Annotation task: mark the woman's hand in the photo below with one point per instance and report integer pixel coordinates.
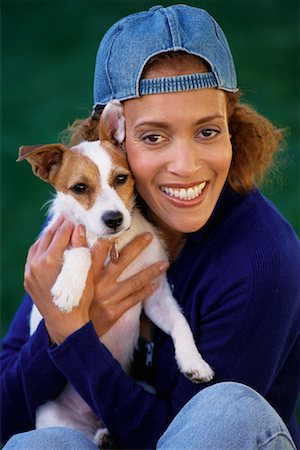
(105, 299)
(113, 298)
(42, 267)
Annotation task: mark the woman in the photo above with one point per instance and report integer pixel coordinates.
(196, 154)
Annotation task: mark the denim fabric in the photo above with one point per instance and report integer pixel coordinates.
(177, 84)
(132, 41)
(50, 439)
(225, 416)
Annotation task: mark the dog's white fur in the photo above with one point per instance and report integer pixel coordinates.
(69, 409)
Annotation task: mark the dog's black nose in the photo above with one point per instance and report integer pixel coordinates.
(113, 219)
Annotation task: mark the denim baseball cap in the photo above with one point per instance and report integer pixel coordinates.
(132, 41)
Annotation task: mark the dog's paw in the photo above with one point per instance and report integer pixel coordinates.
(69, 286)
(64, 299)
(200, 373)
(103, 439)
(193, 366)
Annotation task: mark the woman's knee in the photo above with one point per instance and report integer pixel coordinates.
(229, 399)
(57, 438)
(226, 415)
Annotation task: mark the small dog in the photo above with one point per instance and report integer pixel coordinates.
(95, 188)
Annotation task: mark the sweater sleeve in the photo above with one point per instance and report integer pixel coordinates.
(28, 376)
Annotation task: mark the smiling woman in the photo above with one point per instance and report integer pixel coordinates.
(190, 149)
(197, 154)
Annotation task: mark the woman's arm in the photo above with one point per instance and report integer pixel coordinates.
(28, 376)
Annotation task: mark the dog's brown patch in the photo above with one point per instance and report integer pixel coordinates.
(120, 167)
(78, 169)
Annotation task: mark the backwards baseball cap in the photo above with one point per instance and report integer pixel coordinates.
(132, 41)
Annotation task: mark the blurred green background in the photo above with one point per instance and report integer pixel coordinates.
(47, 55)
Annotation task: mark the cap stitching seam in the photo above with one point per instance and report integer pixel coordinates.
(224, 47)
(107, 72)
(173, 26)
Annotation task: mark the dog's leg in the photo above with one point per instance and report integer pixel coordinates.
(71, 411)
(35, 318)
(164, 311)
(69, 286)
(122, 337)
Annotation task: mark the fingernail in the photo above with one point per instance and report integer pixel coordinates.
(147, 236)
(163, 266)
(81, 231)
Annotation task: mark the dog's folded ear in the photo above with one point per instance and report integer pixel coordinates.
(112, 123)
(44, 159)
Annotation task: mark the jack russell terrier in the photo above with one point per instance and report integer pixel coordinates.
(95, 188)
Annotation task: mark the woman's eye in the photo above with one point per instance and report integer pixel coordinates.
(152, 139)
(79, 188)
(121, 179)
(208, 133)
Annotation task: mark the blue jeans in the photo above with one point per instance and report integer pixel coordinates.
(225, 416)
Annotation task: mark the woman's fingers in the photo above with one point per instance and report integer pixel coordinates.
(61, 239)
(46, 254)
(118, 286)
(78, 238)
(32, 252)
(138, 296)
(130, 252)
(100, 253)
(44, 241)
(142, 280)
(119, 297)
(127, 255)
(113, 294)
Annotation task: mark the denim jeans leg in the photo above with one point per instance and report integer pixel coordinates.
(227, 416)
(57, 438)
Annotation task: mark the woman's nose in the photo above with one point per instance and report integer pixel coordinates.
(183, 160)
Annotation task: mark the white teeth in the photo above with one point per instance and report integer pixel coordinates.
(185, 194)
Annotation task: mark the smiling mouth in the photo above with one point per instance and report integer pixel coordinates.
(184, 194)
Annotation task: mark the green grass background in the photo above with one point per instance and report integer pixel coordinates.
(48, 50)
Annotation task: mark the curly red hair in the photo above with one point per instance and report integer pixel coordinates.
(255, 141)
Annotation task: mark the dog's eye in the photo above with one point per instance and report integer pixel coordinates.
(79, 188)
(121, 179)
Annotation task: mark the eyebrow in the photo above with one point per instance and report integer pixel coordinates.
(209, 118)
(160, 124)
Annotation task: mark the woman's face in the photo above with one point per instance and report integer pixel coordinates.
(179, 150)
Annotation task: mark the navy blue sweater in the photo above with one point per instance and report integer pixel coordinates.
(238, 283)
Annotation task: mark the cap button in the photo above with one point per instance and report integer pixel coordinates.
(154, 8)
